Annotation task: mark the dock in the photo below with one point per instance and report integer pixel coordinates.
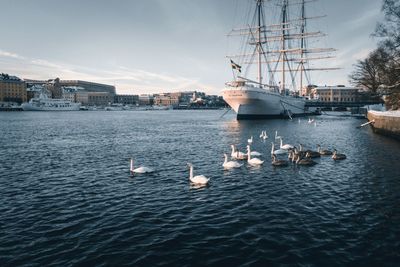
(385, 122)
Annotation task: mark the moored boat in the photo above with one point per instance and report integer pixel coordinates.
(44, 103)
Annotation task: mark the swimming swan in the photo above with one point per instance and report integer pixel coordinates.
(285, 146)
(337, 156)
(279, 162)
(253, 161)
(305, 161)
(265, 136)
(230, 164)
(250, 141)
(236, 154)
(324, 151)
(277, 136)
(141, 169)
(278, 151)
(198, 179)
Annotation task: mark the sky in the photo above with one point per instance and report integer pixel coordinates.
(154, 46)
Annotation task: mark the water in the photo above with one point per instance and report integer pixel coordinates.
(67, 198)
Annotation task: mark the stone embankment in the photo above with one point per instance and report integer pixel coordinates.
(385, 122)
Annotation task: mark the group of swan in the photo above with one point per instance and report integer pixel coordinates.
(299, 157)
(197, 180)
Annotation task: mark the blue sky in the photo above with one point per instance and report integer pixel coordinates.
(150, 46)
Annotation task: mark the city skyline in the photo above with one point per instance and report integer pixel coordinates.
(156, 46)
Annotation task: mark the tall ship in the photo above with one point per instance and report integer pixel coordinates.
(274, 50)
(44, 103)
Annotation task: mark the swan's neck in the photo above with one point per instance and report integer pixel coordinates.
(191, 172)
(226, 158)
(272, 148)
(281, 143)
(248, 153)
(319, 149)
(301, 147)
(131, 165)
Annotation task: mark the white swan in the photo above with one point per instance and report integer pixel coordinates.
(250, 141)
(277, 136)
(278, 151)
(255, 153)
(141, 169)
(198, 179)
(253, 161)
(230, 164)
(265, 136)
(310, 120)
(237, 154)
(262, 134)
(285, 146)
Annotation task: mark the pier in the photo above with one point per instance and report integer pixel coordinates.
(355, 104)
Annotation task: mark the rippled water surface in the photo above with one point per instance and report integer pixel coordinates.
(67, 197)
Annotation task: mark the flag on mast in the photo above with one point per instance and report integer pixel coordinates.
(236, 66)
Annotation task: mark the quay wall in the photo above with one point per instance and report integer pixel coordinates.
(385, 123)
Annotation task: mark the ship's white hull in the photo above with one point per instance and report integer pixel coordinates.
(257, 103)
(34, 107)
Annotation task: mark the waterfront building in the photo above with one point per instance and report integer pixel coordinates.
(338, 93)
(12, 89)
(70, 92)
(307, 90)
(167, 99)
(94, 98)
(56, 86)
(126, 99)
(89, 86)
(146, 99)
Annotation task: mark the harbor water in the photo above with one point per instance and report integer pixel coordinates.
(68, 199)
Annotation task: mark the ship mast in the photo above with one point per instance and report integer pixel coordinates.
(281, 47)
(259, 48)
(283, 55)
(302, 42)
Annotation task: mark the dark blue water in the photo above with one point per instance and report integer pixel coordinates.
(67, 198)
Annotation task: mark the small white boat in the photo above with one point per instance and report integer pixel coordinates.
(44, 103)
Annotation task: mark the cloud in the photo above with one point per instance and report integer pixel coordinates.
(10, 55)
(126, 80)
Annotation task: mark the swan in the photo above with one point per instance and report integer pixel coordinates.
(253, 161)
(277, 136)
(262, 134)
(279, 162)
(311, 153)
(265, 136)
(141, 169)
(337, 156)
(324, 151)
(198, 179)
(310, 120)
(250, 141)
(285, 146)
(255, 153)
(278, 151)
(305, 161)
(230, 164)
(237, 154)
